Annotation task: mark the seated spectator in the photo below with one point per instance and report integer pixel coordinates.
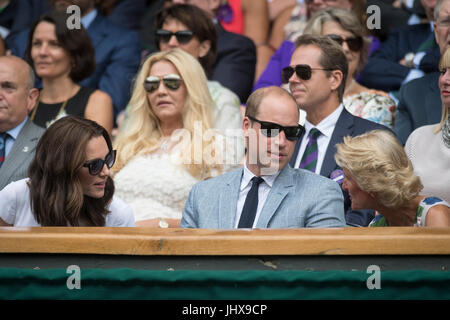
(236, 55)
(378, 175)
(408, 53)
(62, 58)
(428, 147)
(68, 181)
(343, 27)
(190, 29)
(160, 150)
(420, 99)
(18, 134)
(117, 51)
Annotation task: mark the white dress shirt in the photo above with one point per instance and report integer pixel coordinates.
(326, 127)
(263, 192)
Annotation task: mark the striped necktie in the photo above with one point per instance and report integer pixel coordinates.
(309, 159)
(2, 147)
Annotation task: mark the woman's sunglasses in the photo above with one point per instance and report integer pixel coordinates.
(96, 166)
(171, 82)
(183, 36)
(270, 129)
(303, 71)
(354, 43)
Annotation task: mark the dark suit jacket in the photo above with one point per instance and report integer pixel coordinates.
(117, 55)
(235, 63)
(419, 105)
(383, 71)
(19, 158)
(347, 125)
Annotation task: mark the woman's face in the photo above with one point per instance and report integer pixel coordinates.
(360, 199)
(49, 58)
(194, 47)
(167, 104)
(444, 85)
(94, 186)
(353, 57)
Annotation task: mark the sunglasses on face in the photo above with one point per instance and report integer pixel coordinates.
(270, 129)
(303, 71)
(96, 166)
(183, 36)
(353, 43)
(171, 82)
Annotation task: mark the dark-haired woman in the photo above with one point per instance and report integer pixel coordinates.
(69, 183)
(61, 58)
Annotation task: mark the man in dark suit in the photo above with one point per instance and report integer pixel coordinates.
(117, 52)
(408, 53)
(18, 134)
(236, 54)
(316, 77)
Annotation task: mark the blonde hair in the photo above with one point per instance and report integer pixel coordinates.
(379, 165)
(141, 132)
(444, 63)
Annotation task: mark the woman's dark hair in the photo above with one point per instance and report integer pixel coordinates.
(197, 21)
(56, 192)
(75, 41)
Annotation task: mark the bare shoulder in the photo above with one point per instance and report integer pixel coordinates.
(438, 216)
(100, 96)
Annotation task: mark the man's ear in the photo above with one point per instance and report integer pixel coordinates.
(33, 96)
(246, 124)
(204, 48)
(336, 79)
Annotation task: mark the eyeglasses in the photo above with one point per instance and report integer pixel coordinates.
(303, 71)
(183, 36)
(96, 166)
(171, 82)
(270, 129)
(354, 43)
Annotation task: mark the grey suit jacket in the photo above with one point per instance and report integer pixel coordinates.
(18, 160)
(297, 199)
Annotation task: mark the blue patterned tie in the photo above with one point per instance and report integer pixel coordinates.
(2, 147)
(309, 159)
(251, 205)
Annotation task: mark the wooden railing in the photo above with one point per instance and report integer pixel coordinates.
(204, 242)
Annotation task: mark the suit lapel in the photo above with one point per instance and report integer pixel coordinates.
(96, 31)
(281, 187)
(228, 200)
(296, 150)
(344, 127)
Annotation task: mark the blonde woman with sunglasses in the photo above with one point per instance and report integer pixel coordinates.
(167, 142)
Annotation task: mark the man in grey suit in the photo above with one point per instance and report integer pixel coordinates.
(18, 135)
(266, 192)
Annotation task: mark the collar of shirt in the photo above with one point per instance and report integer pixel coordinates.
(248, 176)
(87, 19)
(326, 126)
(14, 133)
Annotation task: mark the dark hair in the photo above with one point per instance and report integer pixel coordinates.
(75, 41)
(197, 21)
(332, 56)
(56, 192)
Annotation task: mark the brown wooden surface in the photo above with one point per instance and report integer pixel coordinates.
(153, 241)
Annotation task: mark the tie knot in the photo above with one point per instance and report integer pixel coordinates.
(314, 133)
(257, 180)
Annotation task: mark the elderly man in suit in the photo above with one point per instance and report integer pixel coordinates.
(266, 192)
(316, 79)
(18, 134)
(420, 100)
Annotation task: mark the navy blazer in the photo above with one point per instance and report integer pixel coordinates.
(235, 63)
(117, 55)
(383, 72)
(419, 105)
(347, 125)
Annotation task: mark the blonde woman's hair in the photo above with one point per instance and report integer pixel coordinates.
(444, 63)
(379, 165)
(141, 132)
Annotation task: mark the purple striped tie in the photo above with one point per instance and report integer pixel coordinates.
(309, 159)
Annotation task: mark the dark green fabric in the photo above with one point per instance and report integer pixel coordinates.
(18, 283)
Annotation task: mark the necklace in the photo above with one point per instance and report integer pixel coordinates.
(349, 87)
(61, 110)
(446, 131)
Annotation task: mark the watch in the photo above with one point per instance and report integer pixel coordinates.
(162, 223)
(409, 59)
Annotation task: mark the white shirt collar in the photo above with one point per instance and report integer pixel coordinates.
(248, 176)
(326, 126)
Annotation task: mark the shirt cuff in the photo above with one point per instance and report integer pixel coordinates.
(413, 74)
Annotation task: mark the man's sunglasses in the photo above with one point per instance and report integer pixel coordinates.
(171, 82)
(354, 43)
(270, 129)
(183, 36)
(96, 166)
(303, 71)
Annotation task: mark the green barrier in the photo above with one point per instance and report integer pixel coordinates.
(133, 284)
